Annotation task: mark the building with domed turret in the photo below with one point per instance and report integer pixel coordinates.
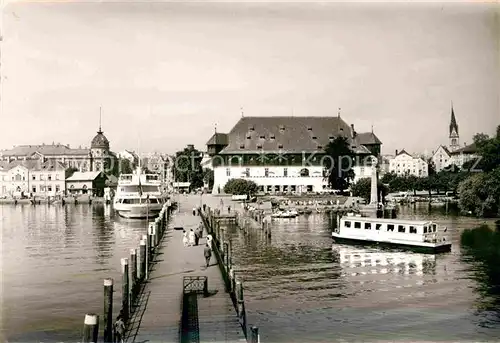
(99, 151)
(83, 159)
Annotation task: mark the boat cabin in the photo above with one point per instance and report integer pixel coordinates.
(377, 227)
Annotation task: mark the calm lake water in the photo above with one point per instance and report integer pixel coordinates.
(298, 287)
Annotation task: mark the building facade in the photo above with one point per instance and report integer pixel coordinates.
(32, 178)
(92, 183)
(406, 164)
(285, 154)
(463, 155)
(441, 158)
(83, 159)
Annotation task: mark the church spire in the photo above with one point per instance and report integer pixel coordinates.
(453, 122)
(100, 117)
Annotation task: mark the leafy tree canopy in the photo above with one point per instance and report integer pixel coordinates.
(240, 187)
(187, 166)
(339, 164)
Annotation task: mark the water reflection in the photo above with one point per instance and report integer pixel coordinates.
(103, 235)
(481, 252)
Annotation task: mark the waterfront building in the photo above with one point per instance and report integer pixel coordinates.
(405, 164)
(31, 177)
(129, 155)
(441, 158)
(92, 183)
(158, 163)
(286, 154)
(83, 159)
(463, 155)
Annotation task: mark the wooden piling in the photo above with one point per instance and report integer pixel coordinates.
(142, 260)
(146, 255)
(133, 276)
(254, 334)
(125, 290)
(90, 328)
(108, 310)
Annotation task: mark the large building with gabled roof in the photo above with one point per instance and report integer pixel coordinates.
(285, 154)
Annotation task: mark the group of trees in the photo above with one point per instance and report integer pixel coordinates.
(477, 182)
(187, 167)
(240, 187)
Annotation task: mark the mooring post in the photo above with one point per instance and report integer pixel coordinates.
(146, 256)
(90, 328)
(254, 337)
(125, 290)
(133, 276)
(269, 229)
(108, 310)
(142, 260)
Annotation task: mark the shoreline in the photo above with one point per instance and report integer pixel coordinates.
(68, 200)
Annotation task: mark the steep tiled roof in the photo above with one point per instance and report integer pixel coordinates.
(36, 165)
(274, 134)
(446, 150)
(218, 139)
(469, 149)
(367, 138)
(403, 152)
(46, 150)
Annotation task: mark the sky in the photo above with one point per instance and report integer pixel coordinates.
(165, 74)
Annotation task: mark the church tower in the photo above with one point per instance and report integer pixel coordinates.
(454, 136)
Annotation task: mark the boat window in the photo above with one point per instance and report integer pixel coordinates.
(357, 225)
(347, 224)
(378, 226)
(413, 229)
(401, 228)
(153, 201)
(425, 229)
(368, 226)
(390, 227)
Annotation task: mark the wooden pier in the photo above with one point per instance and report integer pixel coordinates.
(170, 295)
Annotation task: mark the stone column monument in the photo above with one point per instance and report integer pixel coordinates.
(374, 188)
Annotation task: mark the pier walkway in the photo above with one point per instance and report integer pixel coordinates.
(159, 320)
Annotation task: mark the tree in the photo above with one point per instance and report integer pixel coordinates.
(240, 187)
(187, 167)
(208, 177)
(112, 164)
(126, 166)
(363, 189)
(339, 163)
(388, 177)
(69, 171)
(480, 194)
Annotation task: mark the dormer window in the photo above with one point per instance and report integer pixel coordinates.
(272, 137)
(309, 128)
(282, 128)
(342, 129)
(249, 137)
(320, 147)
(262, 137)
(242, 146)
(331, 138)
(280, 146)
(251, 128)
(259, 146)
(314, 137)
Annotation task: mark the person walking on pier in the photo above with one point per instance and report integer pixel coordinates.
(192, 238)
(119, 329)
(185, 239)
(208, 254)
(209, 241)
(194, 211)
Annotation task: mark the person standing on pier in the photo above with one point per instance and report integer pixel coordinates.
(209, 241)
(185, 239)
(194, 211)
(208, 254)
(119, 329)
(192, 238)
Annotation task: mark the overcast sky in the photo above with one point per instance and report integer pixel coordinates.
(164, 74)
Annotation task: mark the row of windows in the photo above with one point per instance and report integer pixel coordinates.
(303, 173)
(19, 177)
(389, 227)
(42, 188)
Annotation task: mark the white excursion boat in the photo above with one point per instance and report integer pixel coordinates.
(139, 195)
(422, 236)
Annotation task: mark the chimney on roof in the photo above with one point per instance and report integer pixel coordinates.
(396, 152)
(353, 132)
